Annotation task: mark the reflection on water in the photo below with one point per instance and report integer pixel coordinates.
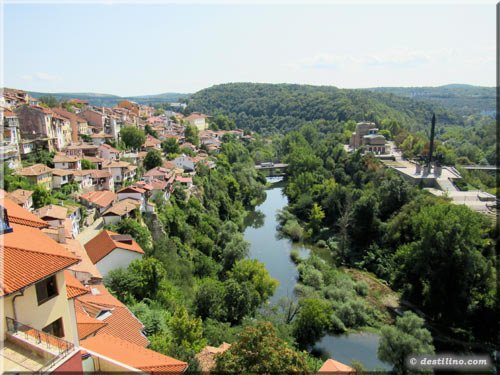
(267, 246)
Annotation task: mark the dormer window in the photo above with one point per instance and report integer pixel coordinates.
(4, 218)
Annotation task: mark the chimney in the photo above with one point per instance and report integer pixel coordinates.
(61, 235)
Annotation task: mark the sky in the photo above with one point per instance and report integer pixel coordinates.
(130, 49)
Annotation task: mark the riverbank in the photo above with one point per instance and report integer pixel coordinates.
(274, 251)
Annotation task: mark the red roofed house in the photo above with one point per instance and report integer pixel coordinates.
(39, 332)
(332, 366)
(198, 120)
(109, 250)
(108, 152)
(101, 200)
(133, 192)
(136, 357)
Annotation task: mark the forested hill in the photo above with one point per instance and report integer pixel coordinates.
(108, 100)
(465, 100)
(270, 108)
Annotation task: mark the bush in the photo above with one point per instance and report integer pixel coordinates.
(361, 288)
(293, 230)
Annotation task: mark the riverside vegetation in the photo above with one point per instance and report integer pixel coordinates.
(197, 287)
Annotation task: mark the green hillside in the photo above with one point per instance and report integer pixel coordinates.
(271, 108)
(465, 100)
(108, 100)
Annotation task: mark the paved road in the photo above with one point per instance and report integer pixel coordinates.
(90, 232)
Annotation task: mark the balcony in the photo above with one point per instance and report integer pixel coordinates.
(27, 349)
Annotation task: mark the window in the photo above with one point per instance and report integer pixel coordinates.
(55, 328)
(46, 289)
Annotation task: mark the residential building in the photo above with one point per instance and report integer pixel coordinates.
(120, 170)
(84, 179)
(78, 124)
(332, 366)
(121, 210)
(9, 139)
(151, 143)
(133, 192)
(108, 152)
(184, 162)
(64, 161)
(61, 177)
(100, 200)
(102, 180)
(37, 174)
(109, 250)
(35, 124)
(39, 333)
(198, 119)
(23, 198)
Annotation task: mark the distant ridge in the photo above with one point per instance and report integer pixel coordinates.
(98, 99)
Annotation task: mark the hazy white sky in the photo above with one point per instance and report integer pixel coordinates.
(131, 50)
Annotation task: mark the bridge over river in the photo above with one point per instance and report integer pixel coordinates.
(272, 169)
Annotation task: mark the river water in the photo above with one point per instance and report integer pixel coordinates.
(274, 252)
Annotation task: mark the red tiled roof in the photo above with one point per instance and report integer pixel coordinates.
(99, 198)
(122, 207)
(20, 196)
(86, 325)
(102, 244)
(34, 170)
(19, 215)
(74, 288)
(131, 189)
(333, 366)
(133, 355)
(121, 322)
(29, 255)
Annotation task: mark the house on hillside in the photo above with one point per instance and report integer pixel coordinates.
(23, 198)
(64, 161)
(100, 200)
(121, 210)
(109, 250)
(61, 177)
(198, 119)
(38, 174)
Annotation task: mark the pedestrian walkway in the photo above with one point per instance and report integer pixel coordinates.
(91, 231)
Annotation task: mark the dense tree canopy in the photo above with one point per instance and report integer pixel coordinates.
(132, 137)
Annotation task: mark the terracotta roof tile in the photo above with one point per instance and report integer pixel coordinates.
(20, 196)
(333, 366)
(74, 288)
(85, 265)
(120, 322)
(34, 170)
(103, 244)
(29, 256)
(133, 355)
(19, 215)
(122, 207)
(99, 198)
(52, 211)
(86, 325)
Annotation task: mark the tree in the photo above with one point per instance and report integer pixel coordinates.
(253, 271)
(408, 336)
(313, 321)
(49, 101)
(133, 137)
(210, 299)
(187, 332)
(447, 266)
(258, 350)
(87, 164)
(153, 159)
(191, 134)
(170, 146)
(316, 217)
(149, 130)
(241, 299)
(139, 232)
(148, 274)
(41, 197)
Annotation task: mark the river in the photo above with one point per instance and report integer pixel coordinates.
(274, 252)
